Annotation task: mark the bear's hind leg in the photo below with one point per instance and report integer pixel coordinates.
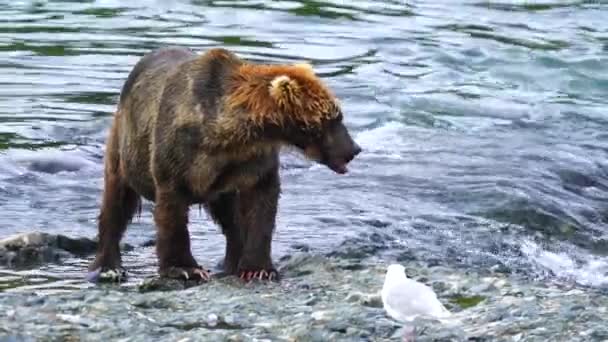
(222, 211)
(173, 239)
(257, 216)
(119, 204)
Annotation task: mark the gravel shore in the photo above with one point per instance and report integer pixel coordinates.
(320, 298)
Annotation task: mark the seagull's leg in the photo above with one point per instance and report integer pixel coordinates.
(409, 333)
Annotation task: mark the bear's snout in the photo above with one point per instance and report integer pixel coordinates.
(338, 163)
(356, 150)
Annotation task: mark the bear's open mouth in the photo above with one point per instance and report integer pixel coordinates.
(338, 166)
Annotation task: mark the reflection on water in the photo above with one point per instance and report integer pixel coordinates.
(482, 122)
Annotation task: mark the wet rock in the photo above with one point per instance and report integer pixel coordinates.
(301, 264)
(322, 316)
(53, 166)
(339, 326)
(79, 246)
(56, 162)
(149, 243)
(361, 247)
(600, 334)
(406, 256)
(371, 300)
(302, 247)
(29, 249)
(432, 331)
(153, 303)
(33, 248)
(165, 284)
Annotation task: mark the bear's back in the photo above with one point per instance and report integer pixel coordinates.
(163, 58)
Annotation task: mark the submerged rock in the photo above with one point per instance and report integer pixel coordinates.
(30, 249)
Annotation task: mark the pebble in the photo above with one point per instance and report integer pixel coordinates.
(320, 315)
(212, 320)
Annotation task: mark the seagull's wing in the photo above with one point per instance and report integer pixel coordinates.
(410, 298)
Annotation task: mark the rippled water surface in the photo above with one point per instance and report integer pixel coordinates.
(483, 123)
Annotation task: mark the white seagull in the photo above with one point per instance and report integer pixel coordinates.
(405, 299)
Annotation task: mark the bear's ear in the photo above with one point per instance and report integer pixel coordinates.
(306, 67)
(284, 90)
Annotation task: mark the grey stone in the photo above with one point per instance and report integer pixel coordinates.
(31, 249)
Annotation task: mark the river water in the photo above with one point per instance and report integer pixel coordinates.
(483, 125)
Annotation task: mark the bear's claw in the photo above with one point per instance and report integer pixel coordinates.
(186, 273)
(260, 275)
(100, 275)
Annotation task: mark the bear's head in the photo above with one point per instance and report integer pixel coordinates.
(313, 117)
(291, 103)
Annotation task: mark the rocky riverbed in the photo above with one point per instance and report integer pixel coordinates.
(322, 297)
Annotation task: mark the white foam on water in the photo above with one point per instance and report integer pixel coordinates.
(385, 140)
(592, 272)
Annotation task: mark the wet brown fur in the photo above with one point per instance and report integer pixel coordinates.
(206, 129)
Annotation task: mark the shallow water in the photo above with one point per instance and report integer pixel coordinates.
(483, 125)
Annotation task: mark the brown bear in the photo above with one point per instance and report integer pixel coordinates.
(207, 129)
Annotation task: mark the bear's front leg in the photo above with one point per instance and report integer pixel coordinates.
(120, 203)
(257, 215)
(173, 240)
